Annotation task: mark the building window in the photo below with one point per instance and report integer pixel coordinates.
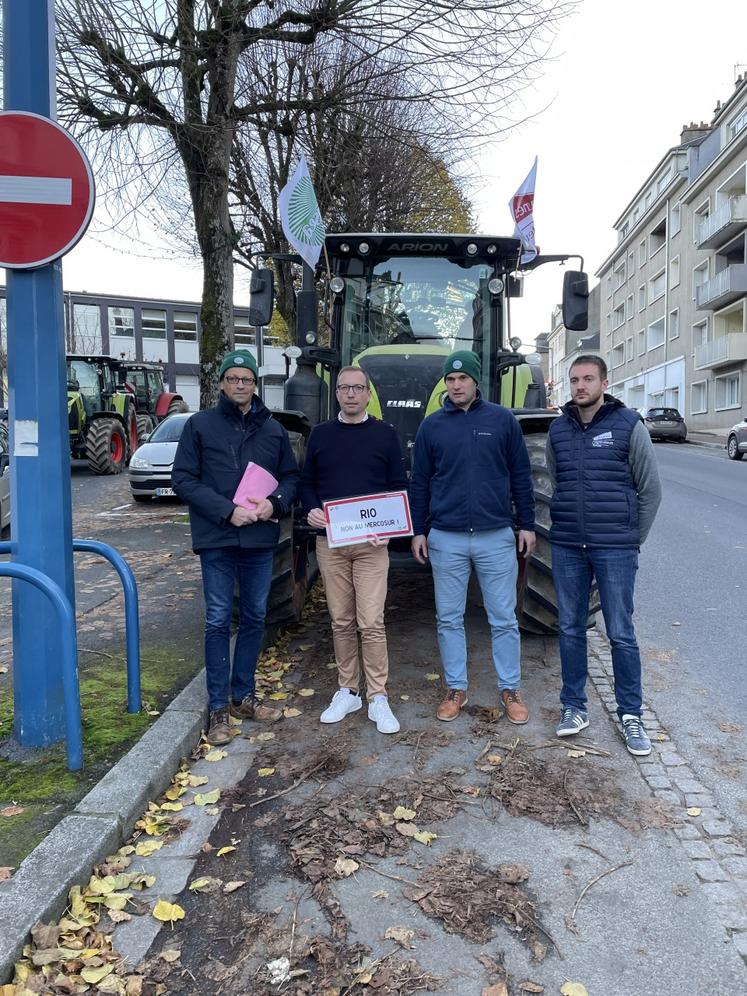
(85, 335)
(623, 232)
(699, 397)
(618, 316)
(641, 336)
(674, 324)
(656, 333)
(700, 334)
(657, 400)
(154, 324)
(642, 297)
(737, 124)
(657, 286)
(657, 238)
(185, 326)
(631, 264)
(674, 271)
(609, 285)
(675, 219)
(727, 392)
(647, 201)
(700, 275)
(618, 273)
(629, 352)
(642, 252)
(243, 333)
(121, 321)
(617, 356)
(629, 307)
(700, 213)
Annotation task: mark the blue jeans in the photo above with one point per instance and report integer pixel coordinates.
(614, 570)
(493, 555)
(221, 569)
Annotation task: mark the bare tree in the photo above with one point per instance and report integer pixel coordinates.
(151, 87)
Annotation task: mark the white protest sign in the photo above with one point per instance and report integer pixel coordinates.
(355, 520)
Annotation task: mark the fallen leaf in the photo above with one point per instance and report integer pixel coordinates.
(574, 988)
(401, 813)
(527, 986)
(194, 781)
(172, 807)
(380, 894)
(118, 916)
(12, 811)
(277, 696)
(498, 989)
(576, 753)
(5, 872)
(233, 886)
(410, 830)
(305, 646)
(170, 955)
(3, 668)
(225, 850)
(729, 728)
(174, 792)
(97, 973)
(306, 692)
(291, 713)
(494, 759)
(147, 847)
(345, 867)
(402, 935)
(432, 676)
(386, 818)
(265, 736)
(167, 912)
(405, 698)
(331, 665)
(694, 811)
(215, 755)
(205, 884)
(265, 772)
(207, 798)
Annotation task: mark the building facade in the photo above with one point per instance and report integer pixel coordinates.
(167, 332)
(674, 291)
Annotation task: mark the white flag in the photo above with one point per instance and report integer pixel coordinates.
(300, 216)
(521, 206)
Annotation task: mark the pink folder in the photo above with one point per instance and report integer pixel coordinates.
(256, 483)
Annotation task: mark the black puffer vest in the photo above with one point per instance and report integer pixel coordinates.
(595, 501)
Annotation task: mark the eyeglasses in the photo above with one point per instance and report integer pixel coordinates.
(230, 379)
(355, 388)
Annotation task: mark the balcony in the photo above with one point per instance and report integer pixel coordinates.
(727, 286)
(727, 221)
(729, 348)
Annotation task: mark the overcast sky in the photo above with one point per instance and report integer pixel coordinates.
(624, 79)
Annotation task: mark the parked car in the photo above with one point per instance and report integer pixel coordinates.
(666, 423)
(736, 440)
(152, 463)
(4, 475)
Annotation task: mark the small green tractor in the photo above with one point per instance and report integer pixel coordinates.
(102, 416)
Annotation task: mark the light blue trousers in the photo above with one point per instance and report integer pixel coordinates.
(493, 556)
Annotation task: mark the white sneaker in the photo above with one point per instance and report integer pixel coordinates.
(380, 713)
(343, 702)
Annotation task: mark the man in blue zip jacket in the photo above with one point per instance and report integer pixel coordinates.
(235, 544)
(470, 470)
(606, 494)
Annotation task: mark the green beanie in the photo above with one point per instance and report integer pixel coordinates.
(238, 358)
(464, 361)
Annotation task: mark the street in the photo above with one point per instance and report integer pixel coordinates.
(691, 614)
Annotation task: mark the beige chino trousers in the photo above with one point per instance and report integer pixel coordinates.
(355, 582)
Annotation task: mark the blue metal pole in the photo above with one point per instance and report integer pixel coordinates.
(132, 617)
(41, 524)
(67, 651)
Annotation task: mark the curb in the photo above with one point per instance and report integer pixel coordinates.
(99, 824)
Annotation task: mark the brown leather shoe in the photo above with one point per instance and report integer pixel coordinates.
(516, 711)
(451, 704)
(250, 708)
(219, 732)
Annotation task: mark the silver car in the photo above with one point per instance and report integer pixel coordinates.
(736, 440)
(151, 464)
(4, 476)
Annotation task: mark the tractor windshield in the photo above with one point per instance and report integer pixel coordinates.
(409, 301)
(85, 376)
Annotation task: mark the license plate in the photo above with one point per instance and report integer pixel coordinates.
(165, 493)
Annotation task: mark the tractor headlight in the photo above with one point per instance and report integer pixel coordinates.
(337, 285)
(515, 343)
(364, 248)
(139, 462)
(471, 249)
(495, 285)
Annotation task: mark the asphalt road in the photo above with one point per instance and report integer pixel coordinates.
(691, 617)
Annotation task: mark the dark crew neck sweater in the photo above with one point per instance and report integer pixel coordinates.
(346, 459)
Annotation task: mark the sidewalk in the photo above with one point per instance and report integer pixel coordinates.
(715, 438)
(548, 864)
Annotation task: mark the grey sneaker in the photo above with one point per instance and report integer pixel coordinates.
(571, 721)
(635, 736)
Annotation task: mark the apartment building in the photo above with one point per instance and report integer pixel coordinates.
(674, 291)
(167, 332)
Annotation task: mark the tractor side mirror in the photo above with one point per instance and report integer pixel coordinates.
(4, 463)
(261, 297)
(576, 301)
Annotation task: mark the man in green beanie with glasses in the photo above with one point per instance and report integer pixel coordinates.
(470, 478)
(236, 543)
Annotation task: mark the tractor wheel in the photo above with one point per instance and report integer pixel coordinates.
(132, 431)
(177, 406)
(144, 428)
(537, 603)
(106, 447)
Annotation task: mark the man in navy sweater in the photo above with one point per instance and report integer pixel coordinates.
(350, 455)
(470, 469)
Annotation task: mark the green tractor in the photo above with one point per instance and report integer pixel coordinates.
(153, 403)
(396, 305)
(101, 414)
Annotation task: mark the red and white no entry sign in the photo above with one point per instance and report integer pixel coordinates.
(46, 190)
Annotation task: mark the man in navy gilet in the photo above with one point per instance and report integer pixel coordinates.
(606, 494)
